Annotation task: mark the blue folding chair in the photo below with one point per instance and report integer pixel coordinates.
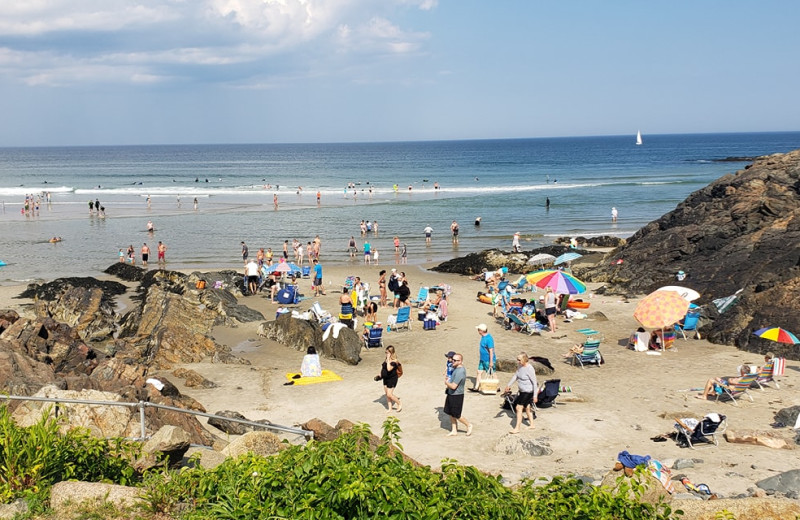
(590, 354)
(689, 323)
(403, 318)
(374, 338)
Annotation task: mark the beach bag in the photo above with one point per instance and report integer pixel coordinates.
(393, 284)
(399, 370)
(200, 285)
(489, 385)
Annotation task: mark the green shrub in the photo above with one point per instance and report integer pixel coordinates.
(348, 478)
(33, 458)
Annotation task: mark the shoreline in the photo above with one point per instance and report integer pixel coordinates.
(616, 407)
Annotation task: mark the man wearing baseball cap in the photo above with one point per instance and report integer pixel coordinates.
(487, 356)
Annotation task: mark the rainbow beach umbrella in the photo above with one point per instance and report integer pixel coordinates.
(559, 281)
(778, 335)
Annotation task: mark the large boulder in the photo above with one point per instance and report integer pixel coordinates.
(100, 420)
(494, 259)
(127, 272)
(169, 444)
(742, 231)
(233, 427)
(786, 483)
(257, 443)
(65, 495)
(345, 345)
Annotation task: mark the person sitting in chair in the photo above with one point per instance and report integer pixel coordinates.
(371, 311)
(576, 349)
(347, 310)
(718, 383)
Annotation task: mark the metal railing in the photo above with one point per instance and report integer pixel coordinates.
(141, 405)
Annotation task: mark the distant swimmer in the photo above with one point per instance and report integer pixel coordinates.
(477, 221)
(477, 179)
(547, 203)
(435, 185)
(150, 227)
(55, 239)
(196, 179)
(614, 214)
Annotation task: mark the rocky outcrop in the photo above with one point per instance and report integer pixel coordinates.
(85, 304)
(172, 323)
(263, 444)
(299, 334)
(127, 272)
(494, 259)
(232, 427)
(65, 495)
(601, 241)
(168, 444)
(742, 231)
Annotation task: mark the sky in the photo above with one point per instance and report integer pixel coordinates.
(107, 72)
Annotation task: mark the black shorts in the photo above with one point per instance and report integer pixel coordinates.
(550, 311)
(453, 404)
(145, 257)
(252, 279)
(524, 399)
(390, 382)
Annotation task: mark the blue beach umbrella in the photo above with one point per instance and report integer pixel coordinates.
(566, 257)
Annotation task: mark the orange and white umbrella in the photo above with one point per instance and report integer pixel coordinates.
(661, 309)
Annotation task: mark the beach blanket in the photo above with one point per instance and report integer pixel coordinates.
(662, 473)
(327, 376)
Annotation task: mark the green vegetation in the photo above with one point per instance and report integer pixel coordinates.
(354, 476)
(34, 458)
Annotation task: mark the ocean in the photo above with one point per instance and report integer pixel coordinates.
(505, 182)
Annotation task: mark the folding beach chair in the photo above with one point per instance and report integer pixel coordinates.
(422, 295)
(548, 393)
(690, 323)
(374, 338)
(401, 319)
(590, 355)
(736, 390)
(321, 315)
(306, 270)
(692, 432)
(562, 308)
(767, 373)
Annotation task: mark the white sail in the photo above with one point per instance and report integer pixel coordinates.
(638, 137)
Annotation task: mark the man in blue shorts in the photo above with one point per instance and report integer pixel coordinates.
(487, 359)
(318, 287)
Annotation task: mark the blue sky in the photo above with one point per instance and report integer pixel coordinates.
(86, 72)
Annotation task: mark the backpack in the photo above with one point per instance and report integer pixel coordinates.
(399, 370)
(393, 284)
(201, 284)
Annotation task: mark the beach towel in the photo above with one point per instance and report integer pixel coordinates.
(631, 461)
(335, 327)
(327, 376)
(661, 473)
(778, 366)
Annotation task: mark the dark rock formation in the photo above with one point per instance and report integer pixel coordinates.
(234, 428)
(127, 272)
(299, 334)
(493, 259)
(601, 241)
(742, 231)
(85, 304)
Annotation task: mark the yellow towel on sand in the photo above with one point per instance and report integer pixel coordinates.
(327, 375)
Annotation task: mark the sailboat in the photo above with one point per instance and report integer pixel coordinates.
(638, 137)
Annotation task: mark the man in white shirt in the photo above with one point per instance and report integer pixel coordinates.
(251, 271)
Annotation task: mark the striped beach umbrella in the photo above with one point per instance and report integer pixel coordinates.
(778, 335)
(661, 309)
(567, 257)
(559, 281)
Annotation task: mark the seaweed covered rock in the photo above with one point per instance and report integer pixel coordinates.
(494, 259)
(127, 272)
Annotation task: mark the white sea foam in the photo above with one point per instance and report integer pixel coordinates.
(35, 190)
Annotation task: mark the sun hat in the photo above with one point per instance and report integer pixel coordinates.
(450, 354)
(482, 327)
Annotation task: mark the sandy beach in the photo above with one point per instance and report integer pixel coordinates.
(618, 406)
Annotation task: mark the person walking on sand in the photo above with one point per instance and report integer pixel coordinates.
(525, 377)
(390, 376)
(428, 231)
(614, 214)
(487, 357)
(145, 254)
(454, 401)
(454, 230)
(162, 251)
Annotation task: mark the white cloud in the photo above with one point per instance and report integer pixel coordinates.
(137, 41)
